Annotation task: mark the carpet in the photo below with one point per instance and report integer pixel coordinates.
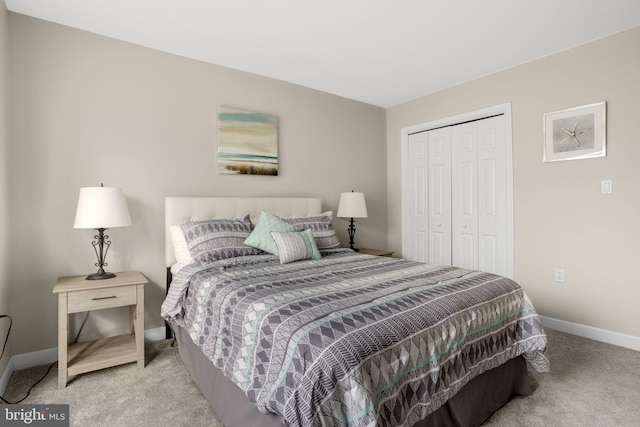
(161, 394)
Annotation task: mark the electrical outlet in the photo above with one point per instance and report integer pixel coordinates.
(559, 275)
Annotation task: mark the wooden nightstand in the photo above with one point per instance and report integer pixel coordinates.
(75, 294)
(377, 252)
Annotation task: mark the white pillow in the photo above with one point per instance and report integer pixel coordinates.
(180, 248)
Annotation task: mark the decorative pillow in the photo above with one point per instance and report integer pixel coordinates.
(215, 239)
(261, 238)
(323, 232)
(180, 249)
(295, 246)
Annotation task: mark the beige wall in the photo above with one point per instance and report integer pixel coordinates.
(4, 238)
(86, 109)
(561, 219)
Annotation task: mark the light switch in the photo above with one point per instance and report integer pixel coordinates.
(607, 186)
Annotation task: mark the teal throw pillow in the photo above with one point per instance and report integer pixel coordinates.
(261, 238)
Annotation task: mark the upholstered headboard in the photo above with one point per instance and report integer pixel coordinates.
(179, 209)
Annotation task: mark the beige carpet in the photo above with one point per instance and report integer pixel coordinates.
(590, 384)
(162, 394)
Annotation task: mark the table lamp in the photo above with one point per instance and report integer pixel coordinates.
(352, 205)
(101, 208)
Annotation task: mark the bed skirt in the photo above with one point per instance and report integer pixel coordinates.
(471, 406)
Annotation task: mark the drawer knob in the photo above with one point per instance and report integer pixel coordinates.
(99, 298)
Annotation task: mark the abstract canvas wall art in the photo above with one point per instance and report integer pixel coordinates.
(247, 142)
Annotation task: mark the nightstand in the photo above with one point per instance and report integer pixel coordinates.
(377, 252)
(75, 294)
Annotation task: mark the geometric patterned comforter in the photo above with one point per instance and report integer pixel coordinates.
(352, 339)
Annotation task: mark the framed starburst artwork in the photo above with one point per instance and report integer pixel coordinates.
(575, 133)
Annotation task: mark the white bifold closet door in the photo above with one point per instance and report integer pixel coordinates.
(439, 197)
(460, 198)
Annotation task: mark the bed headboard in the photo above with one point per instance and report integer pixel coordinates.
(179, 209)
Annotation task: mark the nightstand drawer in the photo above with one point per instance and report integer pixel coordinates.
(95, 299)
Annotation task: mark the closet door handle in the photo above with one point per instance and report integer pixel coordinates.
(464, 226)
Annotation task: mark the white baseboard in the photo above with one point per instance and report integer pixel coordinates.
(590, 332)
(155, 334)
(50, 355)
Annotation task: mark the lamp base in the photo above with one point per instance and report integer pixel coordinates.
(101, 274)
(99, 247)
(352, 234)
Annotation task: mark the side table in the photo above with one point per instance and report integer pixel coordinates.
(75, 294)
(377, 252)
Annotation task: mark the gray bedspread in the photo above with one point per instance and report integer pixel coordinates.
(352, 339)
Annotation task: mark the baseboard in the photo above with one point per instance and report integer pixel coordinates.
(155, 334)
(590, 332)
(50, 355)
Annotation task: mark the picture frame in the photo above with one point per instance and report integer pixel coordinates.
(247, 142)
(575, 133)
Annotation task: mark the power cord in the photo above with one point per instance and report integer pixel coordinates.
(48, 369)
(81, 326)
(2, 316)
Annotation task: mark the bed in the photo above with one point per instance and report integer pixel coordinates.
(333, 337)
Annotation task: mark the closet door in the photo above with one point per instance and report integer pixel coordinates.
(439, 221)
(417, 190)
(464, 196)
(457, 200)
(493, 196)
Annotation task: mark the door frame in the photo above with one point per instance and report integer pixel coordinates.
(501, 109)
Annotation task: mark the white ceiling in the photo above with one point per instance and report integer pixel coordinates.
(382, 52)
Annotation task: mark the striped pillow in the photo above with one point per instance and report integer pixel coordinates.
(295, 246)
(215, 239)
(323, 232)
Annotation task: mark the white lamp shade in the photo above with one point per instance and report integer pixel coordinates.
(102, 207)
(352, 205)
